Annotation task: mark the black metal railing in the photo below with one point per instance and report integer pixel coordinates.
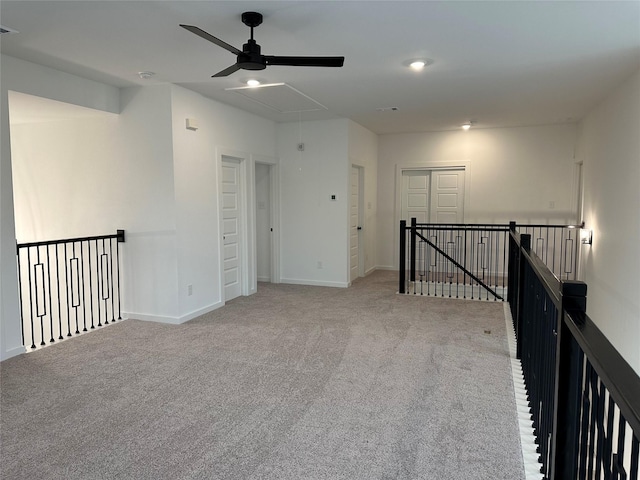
(470, 260)
(556, 245)
(584, 397)
(68, 286)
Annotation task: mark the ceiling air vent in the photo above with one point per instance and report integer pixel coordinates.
(4, 30)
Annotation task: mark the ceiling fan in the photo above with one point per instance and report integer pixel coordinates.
(250, 58)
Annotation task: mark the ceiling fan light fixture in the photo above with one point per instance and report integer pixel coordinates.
(252, 82)
(467, 126)
(417, 64)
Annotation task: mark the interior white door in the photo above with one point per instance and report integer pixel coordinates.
(415, 196)
(354, 224)
(447, 196)
(231, 231)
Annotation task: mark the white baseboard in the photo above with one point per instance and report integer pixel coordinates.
(370, 271)
(314, 283)
(264, 279)
(151, 318)
(527, 439)
(13, 352)
(174, 320)
(386, 267)
(201, 311)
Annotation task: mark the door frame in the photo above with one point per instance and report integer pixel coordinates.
(274, 204)
(426, 166)
(245, 233)
(361, 220)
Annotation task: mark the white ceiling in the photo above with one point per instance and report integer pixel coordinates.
(496, 63)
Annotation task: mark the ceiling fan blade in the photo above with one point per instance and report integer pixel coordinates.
(305, 61)
(211, 38)
(227, 71)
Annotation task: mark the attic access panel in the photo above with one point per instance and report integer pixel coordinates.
(281, 97)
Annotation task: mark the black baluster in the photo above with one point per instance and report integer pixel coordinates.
(90, 288)
(608, 446)
(33, 340)
(75, 307)
(20, 295)
(67, 267)
(584, 427)
(113, 315)
(84, 302)
(401, 265)
(41, 317)
(118, 269)
(98, 281)
(104, 271)
(58, 291)
(51, 340)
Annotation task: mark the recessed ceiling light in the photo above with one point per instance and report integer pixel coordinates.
(146, 75)
(417, 64)
(467, 126)
(253, 82)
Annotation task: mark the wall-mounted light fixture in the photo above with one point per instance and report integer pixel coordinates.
(586, 236)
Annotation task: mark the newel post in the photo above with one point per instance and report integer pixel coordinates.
(412, 253)
(569, 363)
(403, 257)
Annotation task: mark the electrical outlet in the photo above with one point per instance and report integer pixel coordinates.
(189, 290)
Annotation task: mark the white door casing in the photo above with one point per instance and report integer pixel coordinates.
(264, 229)
(231, 227)
(274, 218)
(355, 225)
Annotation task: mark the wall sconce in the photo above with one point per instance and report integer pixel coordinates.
(586, 236)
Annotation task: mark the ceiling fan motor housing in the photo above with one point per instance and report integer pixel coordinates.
(251, 58)
(251, 19)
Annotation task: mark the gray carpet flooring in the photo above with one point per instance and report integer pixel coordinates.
(294, 382)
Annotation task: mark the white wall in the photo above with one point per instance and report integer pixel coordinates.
(263, 222)
(609, 146)
(514, 174)
(92, 176)
(196, 158)
(145, 176)
(21, 76)
(313, 227)
(363, 152)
